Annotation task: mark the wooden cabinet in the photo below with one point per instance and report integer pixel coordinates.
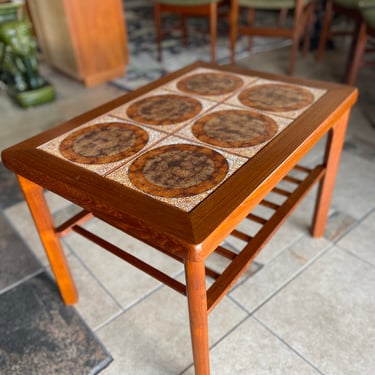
(85, 39)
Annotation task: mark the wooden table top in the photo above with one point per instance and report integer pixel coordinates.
(183, 152)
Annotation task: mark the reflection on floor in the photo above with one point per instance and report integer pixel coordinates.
(306, 306)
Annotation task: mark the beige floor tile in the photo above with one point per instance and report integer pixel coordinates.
(126, 283)
(252, 349)
(361, 240)
(95, 305)
(327, 314)
(278, 272)
(291, 231)
(354, 189)
(153, 337)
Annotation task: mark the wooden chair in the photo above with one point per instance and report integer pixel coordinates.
(303, 11)
(349, 8)
(185, 8)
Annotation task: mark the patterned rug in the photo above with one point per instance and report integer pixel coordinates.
(144, 67)
(39, 335)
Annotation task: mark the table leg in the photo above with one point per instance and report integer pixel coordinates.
(44, 223)
(197, 301)
(334, 147)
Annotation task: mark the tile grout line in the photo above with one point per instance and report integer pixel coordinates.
(219, 340)
(135, 303)
(349, 252)
(83, 264)
(287, 344)
(354, 225)
(22, 280)
(293, 277)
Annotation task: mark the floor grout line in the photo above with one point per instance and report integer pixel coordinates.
(21, 281)
(293, 277)
(287, 344)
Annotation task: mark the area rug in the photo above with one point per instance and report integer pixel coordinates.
(143, 65)
(42, 336)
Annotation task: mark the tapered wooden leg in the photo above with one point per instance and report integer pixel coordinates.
(334, 147)
(197, 301)
(44, 224)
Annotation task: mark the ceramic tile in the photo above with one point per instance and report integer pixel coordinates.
(327, 314)
(186, 203)
(123, 281)
(153, 337)
(278, 272)
(354, 188)
(361, 239)
(197, 107)
(252, 349)
(304, 98)
(239, 81)
(149, 137)
(248, 151)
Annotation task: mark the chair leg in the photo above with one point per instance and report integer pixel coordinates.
(293, 55)
(183, 30)
(282, 16)
(309, 22)
(233, 22)
(325, 30)
(356, 53)
(250, 23)
(213, 30)
(157, 20)
(299, 22)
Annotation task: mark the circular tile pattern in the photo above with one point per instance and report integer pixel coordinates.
(178, 170)
(210, 83)
(164, 109)
(103, 143)
(276, 97)
(234, 128)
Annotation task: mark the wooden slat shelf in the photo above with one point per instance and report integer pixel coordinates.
(239, 261)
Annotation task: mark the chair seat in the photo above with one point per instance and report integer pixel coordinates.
(270, 4)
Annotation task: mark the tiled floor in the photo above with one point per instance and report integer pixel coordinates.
(305, 307)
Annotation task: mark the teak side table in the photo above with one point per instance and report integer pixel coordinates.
(179, 163)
